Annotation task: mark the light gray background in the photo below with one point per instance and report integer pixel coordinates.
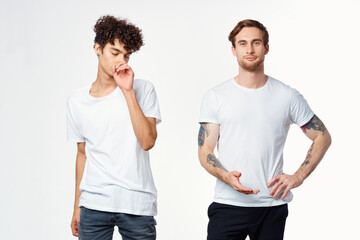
(47, 53)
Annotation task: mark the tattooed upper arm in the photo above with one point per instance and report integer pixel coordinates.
(202, 133)
(208, 135)
(314, 128)
(207, 140)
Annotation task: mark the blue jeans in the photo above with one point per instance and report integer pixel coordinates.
(99, 225)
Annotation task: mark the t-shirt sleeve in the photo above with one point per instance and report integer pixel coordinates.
(151, 106)
(209, 108)
(73, 133)
(300, 111)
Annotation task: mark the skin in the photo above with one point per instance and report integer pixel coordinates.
(80, 165)
(114, 71)
(250, 53)
(317, 132)
(207, 140)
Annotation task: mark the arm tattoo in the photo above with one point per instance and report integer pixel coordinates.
(202, 132)
(213, 161)
(316, 124)
(308, 156)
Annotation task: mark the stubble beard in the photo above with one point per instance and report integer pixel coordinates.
(251, 66)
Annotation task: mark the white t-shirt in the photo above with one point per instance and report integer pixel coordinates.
(253, 127)
(117, 175)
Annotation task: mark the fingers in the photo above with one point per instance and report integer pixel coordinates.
(273, 189)
(240, 188)
(285, 193)
(279, 190)
(251, 191)
(236, 174)
(273, 180)
(74, 228)
(283, 186)
(256, 191)
(121, 66)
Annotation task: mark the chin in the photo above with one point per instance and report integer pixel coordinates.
(251, 67)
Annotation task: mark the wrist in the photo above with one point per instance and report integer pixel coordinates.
(225, 176)
(299, 177)
(76, 205)
(128, 92)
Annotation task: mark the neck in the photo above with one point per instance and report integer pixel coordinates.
(251, 80)
(103, 81)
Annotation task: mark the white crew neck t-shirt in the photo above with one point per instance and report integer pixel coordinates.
(117, 175)
(254, 124)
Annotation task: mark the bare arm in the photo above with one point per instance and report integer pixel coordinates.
(80, 165)
(317, 132)
(144, 127)
(207, 139)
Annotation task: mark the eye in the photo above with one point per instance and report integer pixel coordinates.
(242, 44)
(115, 54)
(257, 43)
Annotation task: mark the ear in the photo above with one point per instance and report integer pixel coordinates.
(98, 49)
(233, 50)
(266, 49)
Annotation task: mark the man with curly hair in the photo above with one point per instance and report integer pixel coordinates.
(113, 120)
(248, 117)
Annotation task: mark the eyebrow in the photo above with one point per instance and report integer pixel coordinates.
(118, 50)
(253, 40)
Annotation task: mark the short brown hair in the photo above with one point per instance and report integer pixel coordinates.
(249, 23)
(108, 28)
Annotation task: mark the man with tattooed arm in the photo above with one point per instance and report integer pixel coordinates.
(248, 118)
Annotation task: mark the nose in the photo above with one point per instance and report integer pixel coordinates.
(250, 49)
(120, 58)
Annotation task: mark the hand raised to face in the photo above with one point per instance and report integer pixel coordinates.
(123, 76)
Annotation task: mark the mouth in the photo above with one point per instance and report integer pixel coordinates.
(250, 58)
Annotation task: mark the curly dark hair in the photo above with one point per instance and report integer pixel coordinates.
(108, 28)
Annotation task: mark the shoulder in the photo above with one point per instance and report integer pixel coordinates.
(142, 85)
(278, 84)
(143, 89)
(221, 88)
(79, 94)
(281, 88)
(224, 85)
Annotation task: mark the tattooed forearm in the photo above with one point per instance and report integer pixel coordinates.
(308, 156)
(316, 124)
(213, 161)
(202, 133)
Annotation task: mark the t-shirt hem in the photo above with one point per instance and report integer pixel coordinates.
(306, 119)
(119, 210)
(158, 119)
(75, 140)
(242, 204)
(208, 121)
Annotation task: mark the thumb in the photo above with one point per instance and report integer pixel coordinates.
(237, 174)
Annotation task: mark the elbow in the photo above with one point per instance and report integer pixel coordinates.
(329, 140)
(148, 144)
(202, 159)
(324, 141)
(147, 147)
